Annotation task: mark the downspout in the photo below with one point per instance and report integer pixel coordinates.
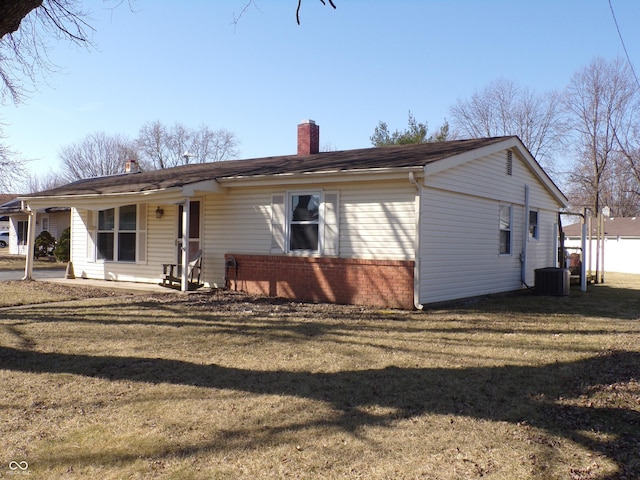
(525, 238)
(556, 246)
(416, 255)
(31, 241)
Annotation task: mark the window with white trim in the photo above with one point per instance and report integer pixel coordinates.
(505, 229)
(120, 234)
(22, 229)
(533, 225)
(305, 223)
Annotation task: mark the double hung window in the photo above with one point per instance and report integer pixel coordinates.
(505, 229)
(304, 224)
(106, 233)
(117, 234)
(533, 224)
(21, 231)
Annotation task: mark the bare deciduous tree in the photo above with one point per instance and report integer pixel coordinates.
(602, 100)
(96, 155)
(165, 147)
(628, 144)
(12, 170)
(25, 27)
(236, 18)
(23, 50)
(504, 108)
(39, 183)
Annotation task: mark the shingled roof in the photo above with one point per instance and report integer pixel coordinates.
(613, 227)
(399, 156)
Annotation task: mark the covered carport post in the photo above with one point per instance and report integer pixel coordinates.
(184, 251)
(31, 241)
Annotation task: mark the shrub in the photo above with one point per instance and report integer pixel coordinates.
(61, 251)
(45, 243)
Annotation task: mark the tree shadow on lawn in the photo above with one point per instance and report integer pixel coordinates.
(515, 394)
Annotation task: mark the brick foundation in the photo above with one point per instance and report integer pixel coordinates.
(380, 283)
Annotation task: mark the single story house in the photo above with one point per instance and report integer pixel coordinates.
(621, 244)
(396, 226)
(51, 219)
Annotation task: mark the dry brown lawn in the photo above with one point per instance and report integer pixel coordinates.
(222, 386)
(17, 262)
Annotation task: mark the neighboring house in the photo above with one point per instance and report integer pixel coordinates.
(621, 244)
(52, 219)
(393, 226)
(4, 219)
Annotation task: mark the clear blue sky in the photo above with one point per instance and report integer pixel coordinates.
(347, 69)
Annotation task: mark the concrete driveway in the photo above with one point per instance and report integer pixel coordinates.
(37, 274)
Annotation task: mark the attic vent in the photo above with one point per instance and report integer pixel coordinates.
(509, 162)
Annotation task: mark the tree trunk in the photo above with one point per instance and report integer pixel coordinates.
(12, 12)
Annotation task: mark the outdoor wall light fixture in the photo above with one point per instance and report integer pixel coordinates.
(159, 212)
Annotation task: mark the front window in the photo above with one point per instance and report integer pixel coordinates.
(505, 230)
(117, 233)
(304, 225)
(127, 234)
(21, 232)
(105, 241)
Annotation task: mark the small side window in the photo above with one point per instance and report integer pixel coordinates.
(505, 229)
(533, 225)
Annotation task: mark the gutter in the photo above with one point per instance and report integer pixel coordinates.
(99, 199)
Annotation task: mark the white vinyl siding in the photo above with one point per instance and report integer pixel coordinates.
(377, 221)
(459, 248)
(460, 230)
(237, 222)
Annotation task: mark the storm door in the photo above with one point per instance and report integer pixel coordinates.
(194, 231)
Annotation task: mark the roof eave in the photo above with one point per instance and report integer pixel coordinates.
(329, 176)
(103, 200)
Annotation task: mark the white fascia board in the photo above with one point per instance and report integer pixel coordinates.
(329, 176)
(103, 201)
(204, 187)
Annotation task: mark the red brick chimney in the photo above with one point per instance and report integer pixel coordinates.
(131, 166)
(308, 138)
